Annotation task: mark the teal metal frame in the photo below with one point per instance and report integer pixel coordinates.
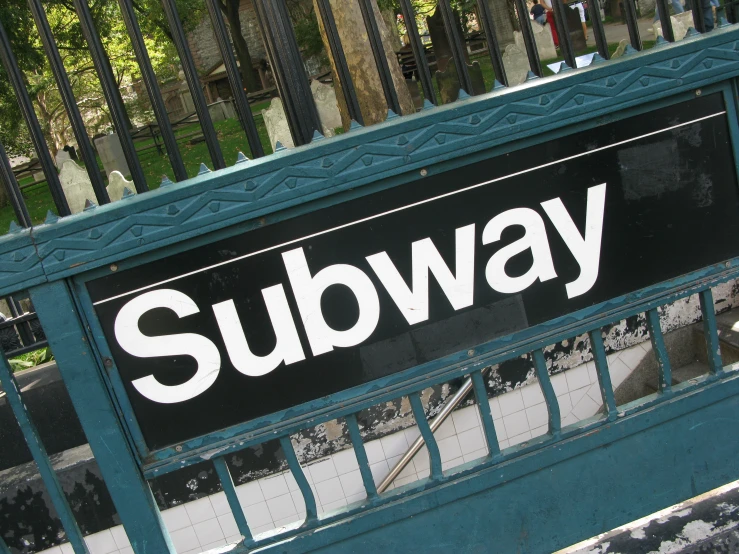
(555, 490)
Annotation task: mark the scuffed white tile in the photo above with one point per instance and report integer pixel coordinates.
(228, 525)
(619, 372)
(330, 491)
(400, 481)
(288, 522)
(257, 515)
(408, 469)
(592, 372)
(323, 470)
(569, 419)
(576, 395)
(449, 448)
(495, 408)
(345, 461)
(532, 394)
(209, 531)
(249, 494)
(352, 483)
(445, 430)
(214, 544)
(124, 550)
(471, 441)
(262, 529)
(374, 450)
(559, 384)
(452, 463)
(577, 377)
(334, 506)
(504, 444)
(585, 408)
(282, 506)
(185, 539)
(594, 394)
(466, 418)
(516, 423)
(273, 486)
(379, 471)
(299, 502)
(200, 510)
(500, 431)
(176, 518)
(411, 434)
(119, 536)
(518, 439)
(537, 416)
(511, 402)
(631, 357)
(354, 498)
(476, 455)
(539, 431)
(394, 444)
(565, 404)
(101, 543)
(421, 459)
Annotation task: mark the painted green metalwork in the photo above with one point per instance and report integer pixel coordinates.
(660, 352)
(710, 330)
(522, 490)
(54, 488)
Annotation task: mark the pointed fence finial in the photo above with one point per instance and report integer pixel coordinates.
(89, 205)
(390, 115)
(530, 76)
(51, 218)
(497, 85)
(564, 67)
(462, 95)
(354, 126)
(427, 105)
(240, 158)
(165, 181)
(14, 228)
(203, 169)
(660, 41)
(127, 193)
(597, 58)
(629, 50)
(692, 33)
(317, 136)
(279, 147)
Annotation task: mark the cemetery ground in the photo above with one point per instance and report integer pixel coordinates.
(232, 140)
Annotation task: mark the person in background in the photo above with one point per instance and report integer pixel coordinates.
(539, 13)
(581, 9)
(547, 4)
(676, 6)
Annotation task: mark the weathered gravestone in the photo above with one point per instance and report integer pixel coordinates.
(221, 110)
(76, 186)
(449, 85)
(577, 37)
(621, 49)
(544, 41)
(61, 157)
(111, 154)
(116, 185)
(328, 109)
(516, 64)
(276, 122)
(680, 25)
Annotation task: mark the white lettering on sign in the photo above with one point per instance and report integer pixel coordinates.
(412, 301)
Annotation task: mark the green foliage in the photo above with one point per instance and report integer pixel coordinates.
(30, 359)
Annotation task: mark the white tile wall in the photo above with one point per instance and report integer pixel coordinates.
(275, 501)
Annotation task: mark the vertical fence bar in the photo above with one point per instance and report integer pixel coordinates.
(8, 180)
(41, 458)
(110, 91)
(233, 500)
(311, 511)
(69, 101)
(660, 351)
(710, 330)
(604, 377)
(496, 58)
(698, 19)
(193, 82)
(378, 50)
(58, 312)
(292, 83)
(528, 37)
(632, 24)
(563, 31)
(419, 51)
(457, 46)
(542, 373)
(428, 436)
(152, 87)
(665, 21)
(599, 32)
(483, 406)
(4, 547)
(23, 329)
(246, 118)
(37, 135)
(361, 454)
(337, 53)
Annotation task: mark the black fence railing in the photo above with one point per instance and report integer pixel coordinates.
(288, 70)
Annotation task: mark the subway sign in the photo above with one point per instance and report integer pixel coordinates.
(297, 310)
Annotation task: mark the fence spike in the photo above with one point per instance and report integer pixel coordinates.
(354, 125)
(279, 147)
(564, 67)
(597, 58)
(498, 85)
(89, 205)
(692, 33)
(165, 181)
(390, 115)
(722, 22)
(660, 42)
(14, 227)
(127, 193)
(317, 136)
(428, 105)
(240, 158)
(629, 50)
(203, 169)
(530, 76)
(51, 218)
(462, 95)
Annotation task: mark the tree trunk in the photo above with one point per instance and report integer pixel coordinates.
(248, 76)
(361, 62)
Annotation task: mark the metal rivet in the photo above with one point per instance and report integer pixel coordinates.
(178, 448)
(108, 363)
(470, 352)
(698, 92)
(113, 267)
(424, 172)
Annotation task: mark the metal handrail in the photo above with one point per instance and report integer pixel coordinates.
(434, 424)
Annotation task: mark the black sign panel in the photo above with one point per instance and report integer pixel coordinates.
(301, 309)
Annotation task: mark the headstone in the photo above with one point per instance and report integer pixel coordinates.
(228, 109)
(544, 42)
(39, 176)
(449, 85)
(61, 157)
(621, 48)
(415, 93)
(221, 110)
(76, 186)
(680, 25)
(116, 184)
(111, 154)
(71, 151)
(516, 64)
(276, 122)
(577, 37)
(328, 109)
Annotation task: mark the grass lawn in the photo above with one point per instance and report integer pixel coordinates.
(231, 138)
